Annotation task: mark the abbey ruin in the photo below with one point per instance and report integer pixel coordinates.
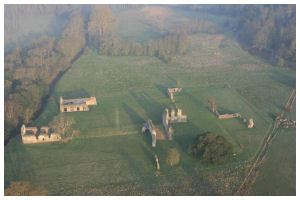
(151, 128)
(171, 92)
(76, 105)
(174, 116)
(250, 123)
(31, 135)
(213, 108)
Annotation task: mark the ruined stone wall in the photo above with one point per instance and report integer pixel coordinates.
(91, 101)
(171, 92)
(74, 108)
(35, 137)
(55, 137)
(228, 116)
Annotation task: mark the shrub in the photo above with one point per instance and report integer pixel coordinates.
(173, 157)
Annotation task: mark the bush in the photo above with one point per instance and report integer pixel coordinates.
(173, 157)
(211, 148)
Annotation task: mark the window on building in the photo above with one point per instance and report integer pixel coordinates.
(65, 109)
(78, 108)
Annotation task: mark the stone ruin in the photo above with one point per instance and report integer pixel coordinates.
(151, 128)
(250, 123)
(174, 116)
(284, 122)
(227, 116)
(43, 134)
(156, 162)
(171, 92)
(76, 105)
(213, 108)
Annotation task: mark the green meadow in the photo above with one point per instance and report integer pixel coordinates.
(111, 156)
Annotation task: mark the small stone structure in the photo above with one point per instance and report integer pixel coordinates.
(151, 128)
(284, 122)
(156, 162)
(250, 123)
(171, 92)
(212, 104)
(213, 108)
(174, 116)
(76, 105)
(228, 116)
(31, 135)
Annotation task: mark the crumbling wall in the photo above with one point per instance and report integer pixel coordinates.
(171, 92)
(76, 105)
(175, 116)
(250, 123)
(150, 126)
(228, 116)
(31, 135)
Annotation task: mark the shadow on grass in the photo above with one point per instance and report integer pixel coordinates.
(194, 99)
(72, 94)
(163, 89)
(152, 108)
(185, 134)
(134, 116)
(283, 78)
(19, 161)
(226, 111)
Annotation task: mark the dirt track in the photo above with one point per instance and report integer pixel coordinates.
(246, 185)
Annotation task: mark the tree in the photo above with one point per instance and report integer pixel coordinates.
(280, 62)
(24, 188)
(72, 40)
(62, 125)
(27, 115)
(173, 157)
(211, 148)
(100, 24)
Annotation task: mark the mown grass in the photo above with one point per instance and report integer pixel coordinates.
(112, 156)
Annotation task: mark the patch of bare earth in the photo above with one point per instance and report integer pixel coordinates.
(160, 135)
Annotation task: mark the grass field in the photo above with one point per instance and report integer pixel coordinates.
(112, 156)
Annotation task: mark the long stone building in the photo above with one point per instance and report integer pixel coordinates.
(76, 105)
(31, 135)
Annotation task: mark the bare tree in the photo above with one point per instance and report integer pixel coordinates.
(62, 124)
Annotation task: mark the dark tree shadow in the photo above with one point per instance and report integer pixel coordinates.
(185, 135)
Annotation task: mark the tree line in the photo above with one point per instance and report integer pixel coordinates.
(267, 29)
